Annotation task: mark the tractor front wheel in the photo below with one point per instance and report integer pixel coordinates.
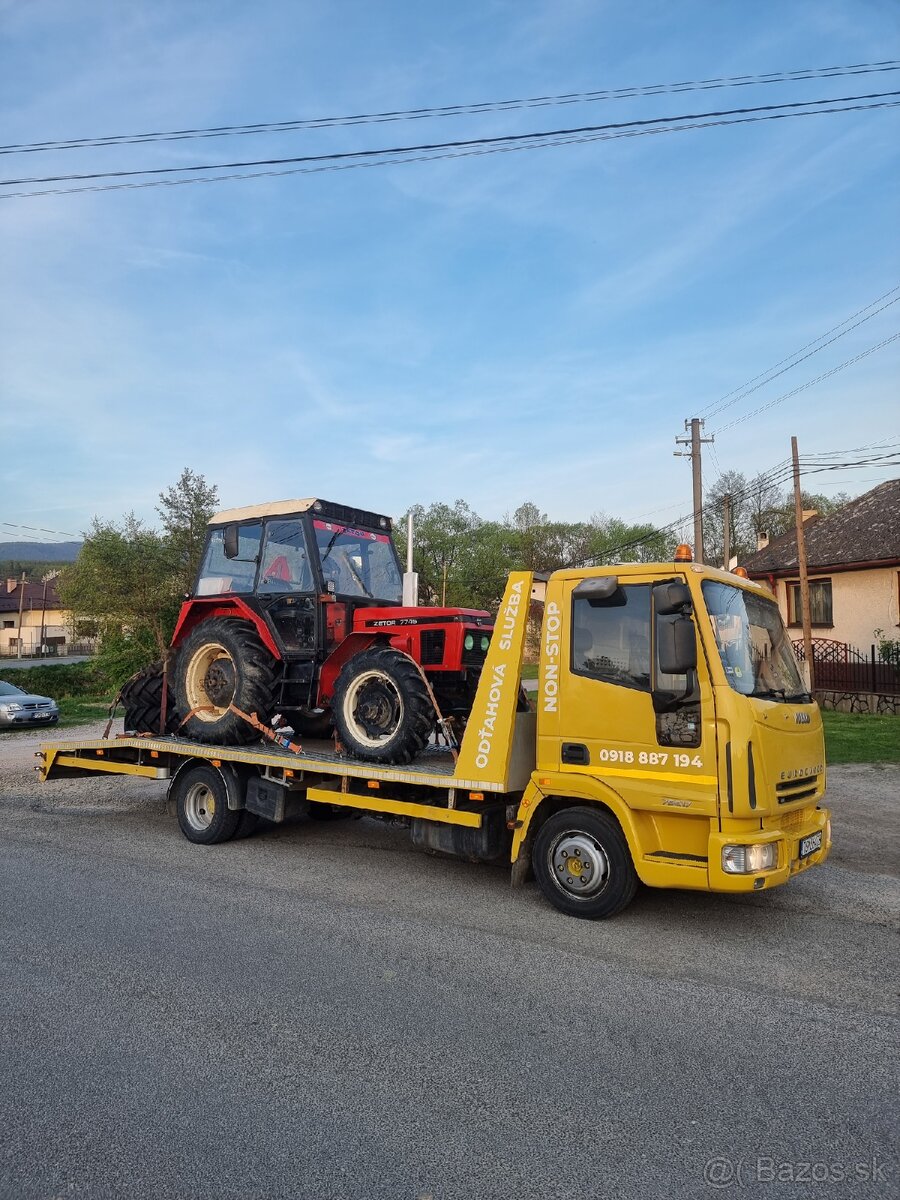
(222, 662)
(381, 707)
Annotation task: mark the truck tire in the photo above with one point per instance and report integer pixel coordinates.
(381, 707)
(583, 865)
(200, 795)
(222, 661)
(141, 697)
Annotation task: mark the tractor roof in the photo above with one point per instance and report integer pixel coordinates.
(285, 508)
(276, 508)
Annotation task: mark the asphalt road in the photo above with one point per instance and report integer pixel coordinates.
(320, 1011)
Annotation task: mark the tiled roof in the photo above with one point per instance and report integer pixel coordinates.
(866, 530)
(34, 596)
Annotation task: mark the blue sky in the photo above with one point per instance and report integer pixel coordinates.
(501, 328)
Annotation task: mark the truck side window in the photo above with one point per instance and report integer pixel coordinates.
(611, 638)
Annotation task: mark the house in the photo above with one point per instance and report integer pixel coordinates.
(853, 562)
(43, 619)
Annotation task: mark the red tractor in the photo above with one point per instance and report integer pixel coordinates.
(297, 610)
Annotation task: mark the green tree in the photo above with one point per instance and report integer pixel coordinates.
(124, 581)
(185, 509)
(129, 579)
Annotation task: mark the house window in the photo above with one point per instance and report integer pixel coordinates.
(9, 624)
(819, 603)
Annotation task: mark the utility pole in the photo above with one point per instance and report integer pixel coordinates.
(21, 607)
(726, 536)
(806, 615)
(695, 441)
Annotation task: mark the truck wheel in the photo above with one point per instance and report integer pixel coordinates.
(222, 661)
(583, 865)
(141, 696)
(381, 707)
(201, 801)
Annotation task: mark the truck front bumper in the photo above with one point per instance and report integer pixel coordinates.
(805, 844)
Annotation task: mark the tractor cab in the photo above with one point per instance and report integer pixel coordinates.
(304, 565)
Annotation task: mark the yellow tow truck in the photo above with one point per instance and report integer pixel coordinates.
(672, 743)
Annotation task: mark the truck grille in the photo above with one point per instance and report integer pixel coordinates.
(796, 789)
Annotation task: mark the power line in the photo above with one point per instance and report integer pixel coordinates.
(810, 383)
(39, 529)
(453, 110)
(506, 139)
(465, 150)
(792, 360)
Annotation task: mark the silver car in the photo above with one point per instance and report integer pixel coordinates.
(21, 708)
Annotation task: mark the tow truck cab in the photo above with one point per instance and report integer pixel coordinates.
(670, 695)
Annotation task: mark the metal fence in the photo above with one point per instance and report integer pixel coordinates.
(839, 667)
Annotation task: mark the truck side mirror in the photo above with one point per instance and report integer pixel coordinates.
(231, 541)
(600, 590)
(671, 597)
(676, 646)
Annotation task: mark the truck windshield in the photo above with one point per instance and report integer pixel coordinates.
(753, 643)
(359, 562)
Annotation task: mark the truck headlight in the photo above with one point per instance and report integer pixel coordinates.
(747, 860)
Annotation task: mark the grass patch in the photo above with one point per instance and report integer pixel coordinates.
(79, 710)
(859, 738)
(529, 671)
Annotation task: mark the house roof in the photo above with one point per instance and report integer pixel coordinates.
(865, 531)
(34, 596)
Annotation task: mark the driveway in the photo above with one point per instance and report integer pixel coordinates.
(321, 1011)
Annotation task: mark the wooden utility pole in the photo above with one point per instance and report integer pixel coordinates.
(806, 616)
(21, 607)
(726, 534)
(695, 441)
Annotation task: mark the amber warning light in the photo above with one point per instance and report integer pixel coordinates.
(741, 571)
(684, 553)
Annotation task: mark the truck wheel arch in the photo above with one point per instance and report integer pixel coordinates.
(536, 806)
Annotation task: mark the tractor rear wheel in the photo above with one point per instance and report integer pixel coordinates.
(141, 697)
(381, 706)
(223, 662)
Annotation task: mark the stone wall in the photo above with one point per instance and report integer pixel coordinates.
(860, 702)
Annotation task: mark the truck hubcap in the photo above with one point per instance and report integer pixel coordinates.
(199, 806)
(580, 865)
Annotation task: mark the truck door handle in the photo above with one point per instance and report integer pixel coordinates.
(575, 754)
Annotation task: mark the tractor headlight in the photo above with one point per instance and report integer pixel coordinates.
(747, 860)
(469, 641)
(485, 642)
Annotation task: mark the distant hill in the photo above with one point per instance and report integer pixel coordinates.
(26, 552)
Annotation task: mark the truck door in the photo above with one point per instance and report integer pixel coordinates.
(650, 736)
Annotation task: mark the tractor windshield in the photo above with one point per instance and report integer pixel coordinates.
(359, 562)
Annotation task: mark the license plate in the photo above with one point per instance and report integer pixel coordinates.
(809, 845)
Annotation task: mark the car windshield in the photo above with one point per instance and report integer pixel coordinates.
(753, 643)
(359, 562)
(7, 689)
